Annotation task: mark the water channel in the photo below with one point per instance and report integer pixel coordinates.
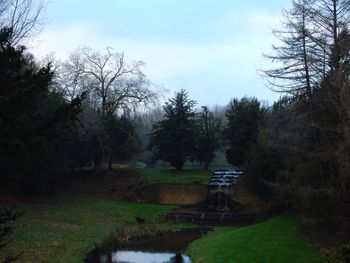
(168, 247)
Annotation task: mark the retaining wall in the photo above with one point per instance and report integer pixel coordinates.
(181, 194)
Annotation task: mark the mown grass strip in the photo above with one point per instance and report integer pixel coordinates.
(273, 241)
(187, 176)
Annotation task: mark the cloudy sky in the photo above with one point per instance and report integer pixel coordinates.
(211, 48)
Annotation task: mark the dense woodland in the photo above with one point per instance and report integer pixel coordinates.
(98, 109)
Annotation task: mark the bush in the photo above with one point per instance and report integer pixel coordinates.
(338, 254)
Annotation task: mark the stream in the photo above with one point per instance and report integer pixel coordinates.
(168, 247)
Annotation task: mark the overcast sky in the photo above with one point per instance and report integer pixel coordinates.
(211, 48)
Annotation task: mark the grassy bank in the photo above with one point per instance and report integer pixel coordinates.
(63, 228)
(274, 241)
(188, 176)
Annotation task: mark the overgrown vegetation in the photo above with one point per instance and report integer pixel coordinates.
(7, 215)
(303, 145)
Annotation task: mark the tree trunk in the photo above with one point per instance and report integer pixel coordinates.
(110, 164)
(52, 186)
(206, 165)
(97, 164)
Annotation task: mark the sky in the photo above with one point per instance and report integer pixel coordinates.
(211, 48)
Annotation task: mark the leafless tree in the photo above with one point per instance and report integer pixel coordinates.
(24, 17)
(329, 19)
(111, 83)
(296, 56)
(309, 38)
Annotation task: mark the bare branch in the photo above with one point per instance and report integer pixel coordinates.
(111, 82)
(24, 17)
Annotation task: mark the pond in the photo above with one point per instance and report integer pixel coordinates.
(165, 248)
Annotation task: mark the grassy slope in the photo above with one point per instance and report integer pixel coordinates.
(64, 227)
(153, 175)
(274, 241)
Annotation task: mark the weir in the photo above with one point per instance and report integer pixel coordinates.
(219, 189)
(219, 209)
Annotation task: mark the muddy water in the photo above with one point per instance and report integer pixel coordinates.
(166, 248)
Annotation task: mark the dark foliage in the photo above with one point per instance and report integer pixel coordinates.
(209, 136)
(306, 137)
(36, 123)
(6, 216)
(121, 139)
(244, 118)
(172, 139)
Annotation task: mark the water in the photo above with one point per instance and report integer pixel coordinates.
(219, 188)
(125, 256)
(166, 248)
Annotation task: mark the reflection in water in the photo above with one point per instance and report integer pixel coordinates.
(164, 248)
(178, 258)
(123, 256)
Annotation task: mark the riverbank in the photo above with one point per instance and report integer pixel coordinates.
(62, 228)
(274, 241)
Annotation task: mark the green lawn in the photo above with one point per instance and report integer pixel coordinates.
(187, 176)
(64, 227)
(274, 241)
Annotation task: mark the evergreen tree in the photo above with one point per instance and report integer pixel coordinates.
(244, 117)
(121, 139)
(173, 138)
(36, 123)
(209, 136)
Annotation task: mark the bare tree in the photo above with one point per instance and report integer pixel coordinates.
(297, 61)
(24, 17)
(329, 19)
(3, 6)
(114, 88)
(318, 131)
(111, 83)
(309, 38)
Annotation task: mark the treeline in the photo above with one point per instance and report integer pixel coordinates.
(302, 150)
(183, 134)
(57, 117)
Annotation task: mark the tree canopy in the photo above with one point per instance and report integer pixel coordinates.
(172, 138)
(244, 117)
(209, 136)
(35, 122)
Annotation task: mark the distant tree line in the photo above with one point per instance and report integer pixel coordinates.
(184, 134)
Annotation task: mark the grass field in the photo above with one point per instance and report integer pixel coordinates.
(274, 241)
(64, 227)
(188, 176)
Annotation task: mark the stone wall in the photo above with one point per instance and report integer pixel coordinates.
(181, 194)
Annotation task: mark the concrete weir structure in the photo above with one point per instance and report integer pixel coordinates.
(219, 188)
(216, 193)
(181, 194)
(220, 208)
